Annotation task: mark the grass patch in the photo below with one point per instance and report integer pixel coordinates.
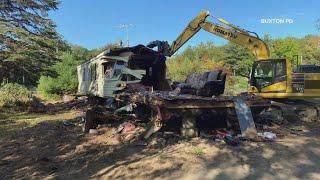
(12, 121)
(198, 151)
(13, 94)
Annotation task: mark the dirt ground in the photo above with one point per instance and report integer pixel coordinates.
(37, 146)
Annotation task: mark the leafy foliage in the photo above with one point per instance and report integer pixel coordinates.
(28, 40)
(65, 80)
(286, 48)
(310, 48)
(13, 93)
(238, 59)
(48, 86)
(198, 151)
(66, 69)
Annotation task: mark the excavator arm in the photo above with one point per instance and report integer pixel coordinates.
(193, 27)
(245, 39)
(227, 31)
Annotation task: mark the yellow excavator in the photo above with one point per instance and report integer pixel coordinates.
(270, 77)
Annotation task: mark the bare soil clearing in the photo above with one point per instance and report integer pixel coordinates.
(41, 146)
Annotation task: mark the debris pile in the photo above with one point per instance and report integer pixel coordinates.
(129, 131)
(268, 136)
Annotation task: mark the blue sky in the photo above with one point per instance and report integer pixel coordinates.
(94, 23)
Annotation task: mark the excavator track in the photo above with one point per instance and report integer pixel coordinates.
(298, 110)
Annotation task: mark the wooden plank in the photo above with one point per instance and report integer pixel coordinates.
(199, 105)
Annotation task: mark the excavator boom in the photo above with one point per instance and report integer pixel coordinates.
(193, 27)
(230, 32)
(254, 44)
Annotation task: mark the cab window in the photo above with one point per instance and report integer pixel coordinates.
(263, 70)
(280, 69)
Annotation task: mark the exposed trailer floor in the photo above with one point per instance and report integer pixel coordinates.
(168, 105)
(185, 101)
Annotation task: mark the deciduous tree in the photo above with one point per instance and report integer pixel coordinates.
(238, 58)
(286, 48)
(310, 47)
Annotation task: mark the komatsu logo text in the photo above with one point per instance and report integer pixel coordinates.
(225, 33)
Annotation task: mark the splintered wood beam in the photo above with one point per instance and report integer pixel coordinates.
(198, 105)
(194, 102)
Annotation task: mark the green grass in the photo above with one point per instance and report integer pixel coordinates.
(198, 151)
(12, 120)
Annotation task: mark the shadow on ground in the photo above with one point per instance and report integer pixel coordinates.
(50, 149)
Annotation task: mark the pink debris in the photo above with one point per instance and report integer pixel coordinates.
(126, 127)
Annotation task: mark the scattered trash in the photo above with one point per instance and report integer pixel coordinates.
(120, 128)
(129, 127)
(268, 136)
(68, 123)
(206, 135)
(225, 136)
(126, 127)
(219, 135)
(129, 131)
(168, 133)
(127, 108)
(232, 140)
(93, 131)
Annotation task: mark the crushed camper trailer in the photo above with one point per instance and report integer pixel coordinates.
(137, 75)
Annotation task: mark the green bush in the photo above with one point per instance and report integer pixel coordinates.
(12, 94)
(66, 69)
(49, 87)
(66, 80)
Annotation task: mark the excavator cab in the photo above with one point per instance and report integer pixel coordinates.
(280, 78)
(269, 76)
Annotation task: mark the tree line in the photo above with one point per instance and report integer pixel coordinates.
(33, 53)
(238, 60)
